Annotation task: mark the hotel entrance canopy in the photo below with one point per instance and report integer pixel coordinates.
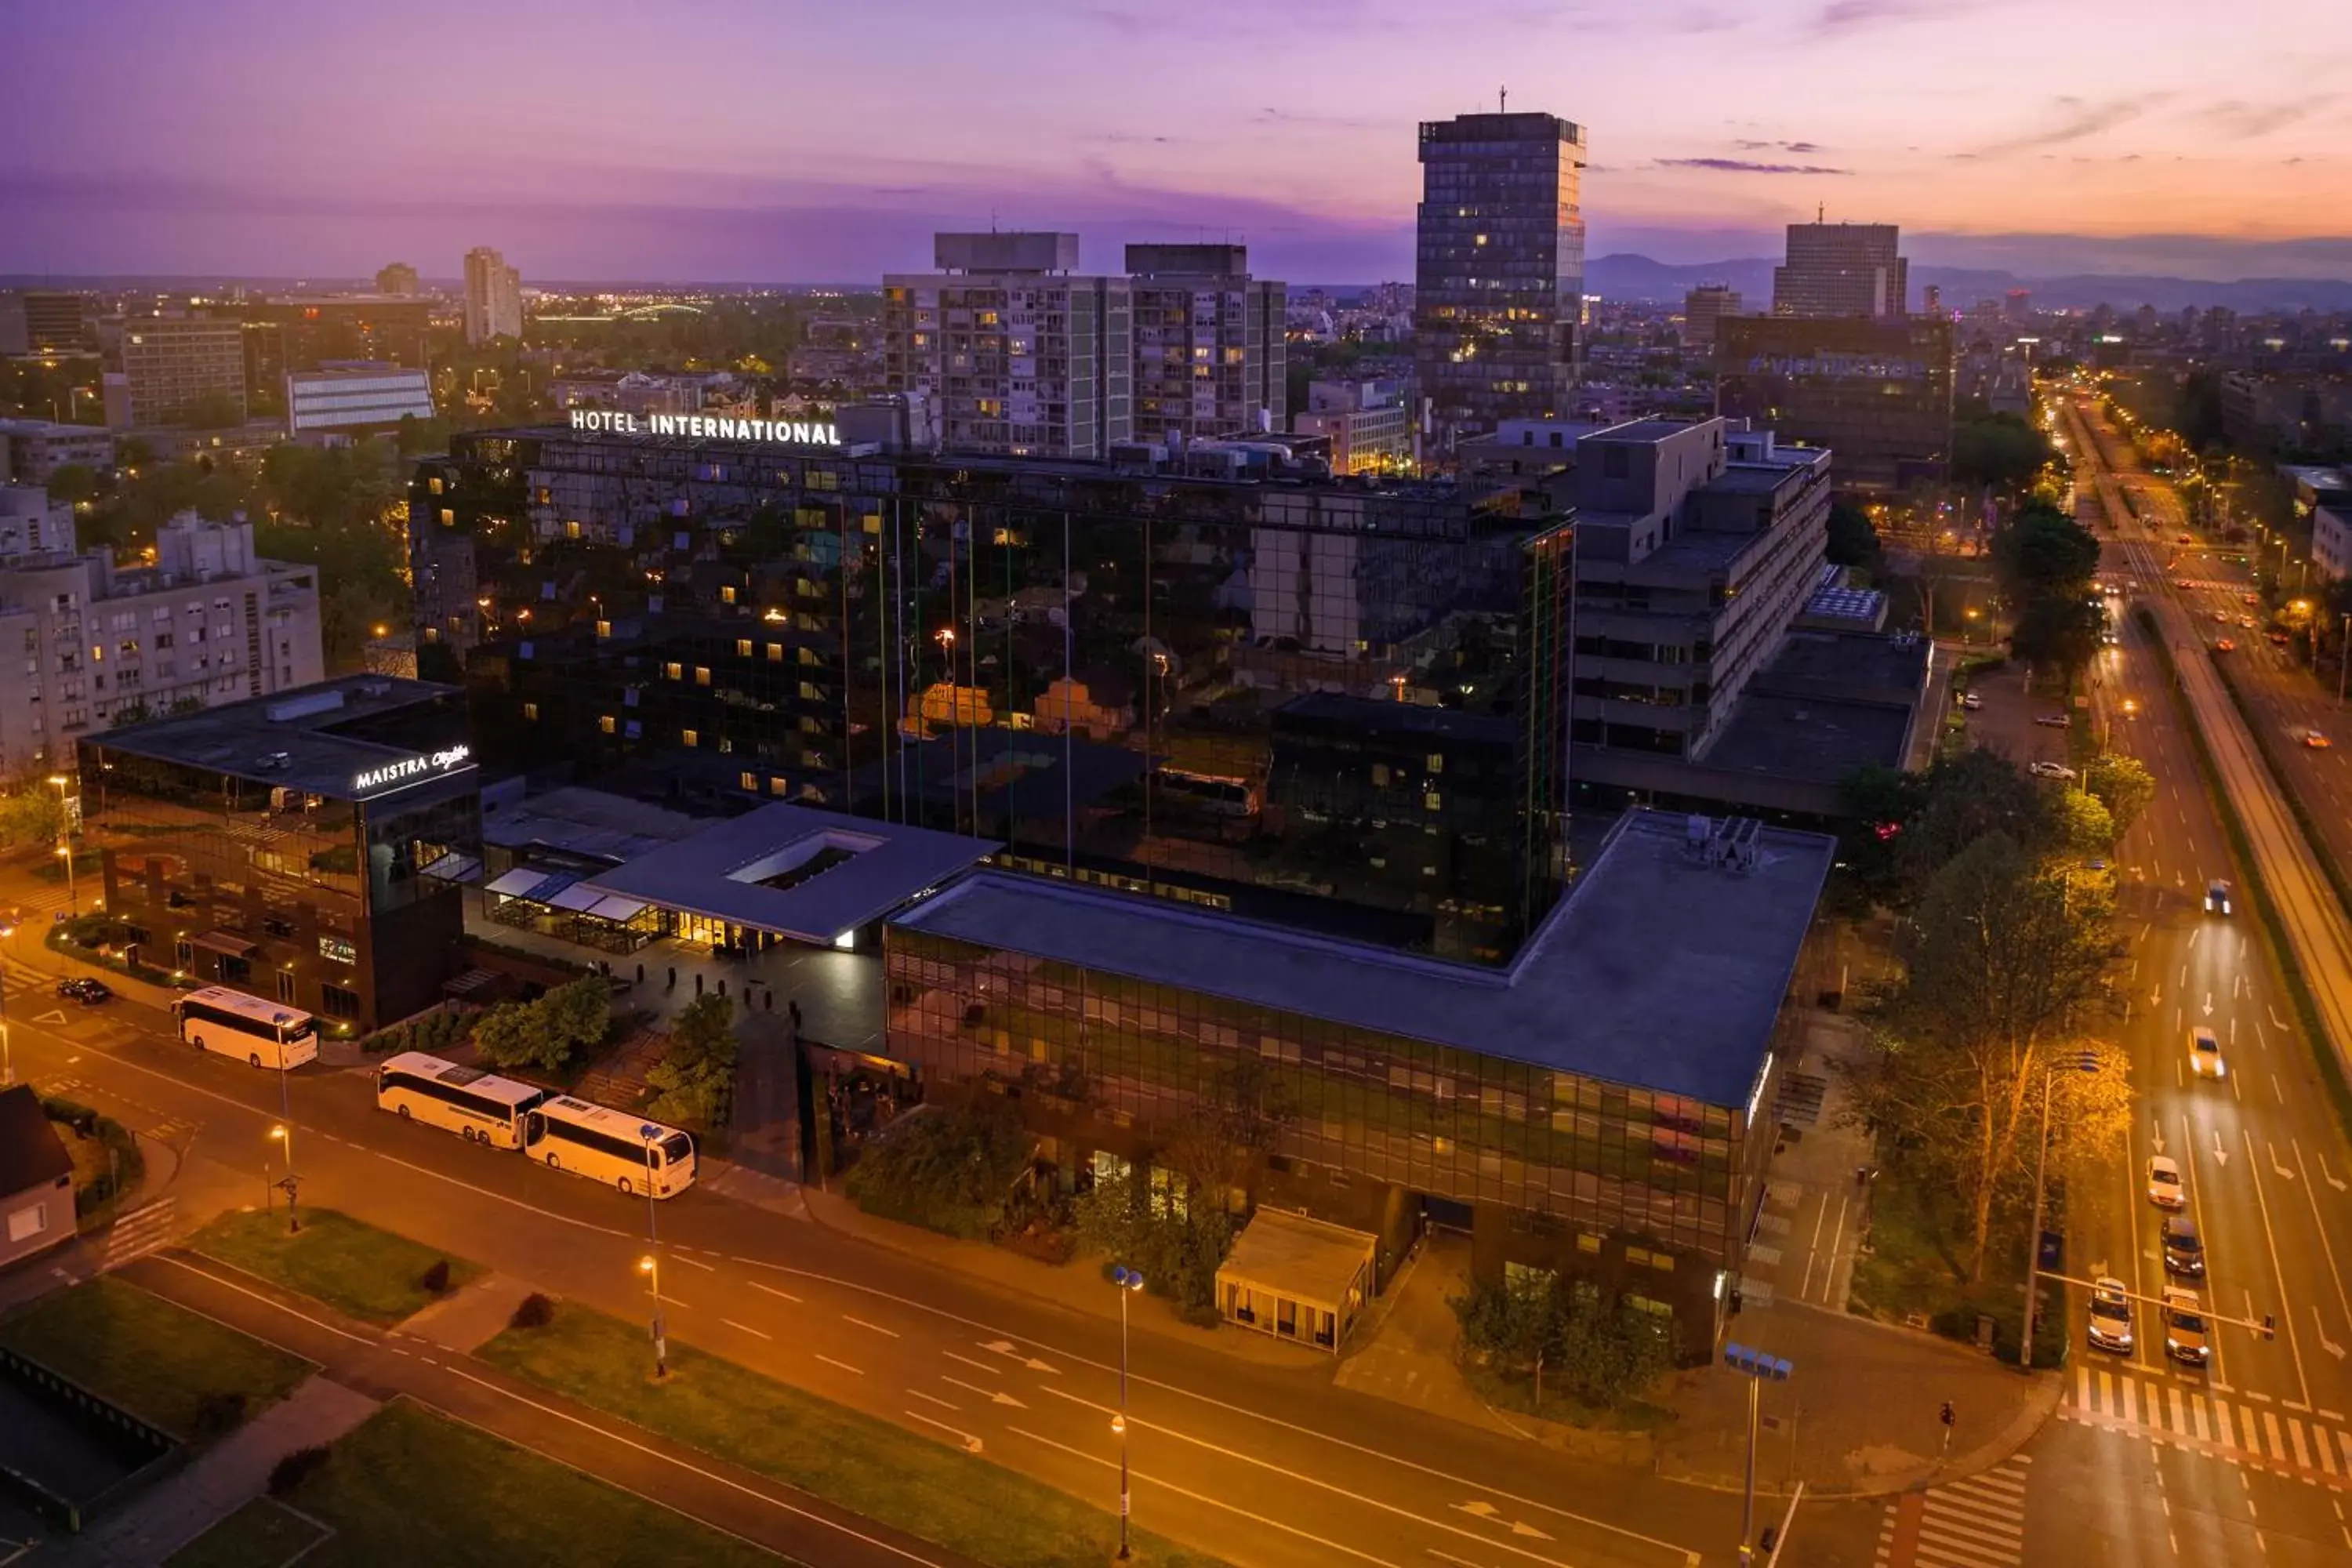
(794, 871)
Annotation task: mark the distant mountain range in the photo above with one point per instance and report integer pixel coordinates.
(1627, 277)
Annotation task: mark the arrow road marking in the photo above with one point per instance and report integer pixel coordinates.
(2209, 1003)
(1493, 1515)
(2275, 1166)
(2156, 1132)
(2332, 1180)
(2276, 1022)
(2220, 1155)
(54, 1016)
(975, 1365)
(993, 1396)
(1006, 1348)
(971, 1444)
(2330, 1346)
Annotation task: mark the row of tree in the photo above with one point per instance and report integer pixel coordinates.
(2045, 563)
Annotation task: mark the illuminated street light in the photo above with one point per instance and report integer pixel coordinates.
(281, 1134)
(650, 1267)
(1128, 1281)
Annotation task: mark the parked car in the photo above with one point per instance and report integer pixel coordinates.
(2250, 598)
(1972, 700)
(2111, 1315)
(2184, 1327)
(2184, 1251)
(2164, 1189)
(2053, 720)
(2050, 770)
(2205, 1054)
(90, 992)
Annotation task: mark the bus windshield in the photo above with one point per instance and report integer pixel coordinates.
(677, 1149)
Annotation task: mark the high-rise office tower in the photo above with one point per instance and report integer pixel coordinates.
(1017, 355)
(399, 278)
(1209, 348)
(493, 297)
(1702, 307)
(1842, 269)
(1931, 302)
(1499, 268)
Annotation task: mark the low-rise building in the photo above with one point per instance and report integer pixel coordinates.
(309, 847)
(31, 450)
(1877, 393)
(1370, 424)
(36, 1188)
(348, 399)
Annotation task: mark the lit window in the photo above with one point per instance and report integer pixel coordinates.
(675, 670)
(1381, 774)
(749, 781)
(606, 724)
(775, 652)
(1586, 1241)
(572, 528)
(1436, 762)
(702, 675)
(531, 712)
(742, 647)
(727, 593)
(1431, 800)
(690, 737)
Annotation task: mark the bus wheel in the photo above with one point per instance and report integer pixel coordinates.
(403, 1113)
(551, 1164)
(254, 1058)
(625, 1185)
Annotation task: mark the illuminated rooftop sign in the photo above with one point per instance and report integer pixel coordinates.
(412, 769)
(707, 428)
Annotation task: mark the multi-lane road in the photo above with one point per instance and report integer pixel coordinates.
(2244, 1461)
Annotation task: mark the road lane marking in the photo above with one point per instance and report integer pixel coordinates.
(2278, 1273)
(755, 1333)
(971, 1444)
(668, 1458)
(691, 1262)
(978, 1365)
(2271, 1431)
(887, 1333)
(994, 1395)
(771, 1290)
(934, 1399)
(1219, 1502)
(841, 1364)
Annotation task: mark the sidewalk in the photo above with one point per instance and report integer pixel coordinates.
(1077, 1285)
(220, 1481)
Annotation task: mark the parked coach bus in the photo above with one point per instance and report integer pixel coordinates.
(266, 1034)
(606, 1145)
(476, 1106)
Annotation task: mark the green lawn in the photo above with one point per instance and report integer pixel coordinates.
(153, 1358)
(357, 1268)
(883, 1471)
(410, 1487)
(261, 1534)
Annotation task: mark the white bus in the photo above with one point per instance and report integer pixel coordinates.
(266, 1034)
(607, 1145)
(474, 1105)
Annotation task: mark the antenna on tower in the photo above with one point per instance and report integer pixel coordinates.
(1821, 212)
(1502, 100)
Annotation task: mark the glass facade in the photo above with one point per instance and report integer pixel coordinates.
(1879, 395)
(1499, 282)
(1644, 1194)
(1130, 677)
(321, 902)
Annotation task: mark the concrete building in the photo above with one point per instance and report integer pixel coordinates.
(397, 278)
(33, 449)
(208, 622)
(32, 524)
(1878, 395)
(34, 319)
(313, 331)
(1018, 354)
(1702, 307)
(1836, 270)
(1599, 1109)
(1368, 424)
(493, 297)
(36, 1170)
(355, 399)
(309, 847)
(1209, 347)
(176, 370)
(1498, 300)
(2325, 496)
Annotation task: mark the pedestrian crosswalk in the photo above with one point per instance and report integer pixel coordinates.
(1979, 1522)
(140, 1231)
(2252, 1429)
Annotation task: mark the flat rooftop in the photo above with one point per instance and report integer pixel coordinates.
(1644, 432)
(316, 738)
(1659, 970)
(1818, 739)
(794, 870)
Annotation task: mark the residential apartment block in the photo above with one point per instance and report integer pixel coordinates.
(1209, 349)
(175, 369)
(493, 297)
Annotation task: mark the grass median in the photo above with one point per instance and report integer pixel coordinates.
(409, 1487)
(261, 1534)
(369, 1274)
(869, 1466)
(156, 1360)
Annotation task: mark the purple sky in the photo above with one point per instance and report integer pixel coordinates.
(790, 140)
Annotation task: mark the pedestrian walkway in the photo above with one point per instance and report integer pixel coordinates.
(220, 1481)
(1814, 1212)
(1979, 1522)
(140, 1231)
(2252, 1430)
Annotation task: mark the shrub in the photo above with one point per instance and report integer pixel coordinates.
(437, 1278)
(1177, 1246)
(216, 1414)
(533, 1312)
(297, 1467)
(947, 1169)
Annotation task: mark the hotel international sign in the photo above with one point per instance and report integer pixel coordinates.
(707, 428)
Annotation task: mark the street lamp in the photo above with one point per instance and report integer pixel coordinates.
(285, 1134)
(650, 1267)
(2084, 1061)
(1128, 1281)
(7, 1061)
(65, 844)
(1758, 1368)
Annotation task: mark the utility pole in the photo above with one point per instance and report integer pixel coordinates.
(1128, 1282)
(1758, 1368)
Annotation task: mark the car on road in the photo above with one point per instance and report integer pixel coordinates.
(81, 988)
(2217, 897)
(2205, 1054)
(2247, 622)
(2250, 598)
(2050, 770)
(2316, 740)
(2052, 720)
(2164, 1183)
(2184, 1327)
(2186, 538)
(1972, 700)
(2111, 1315)
(2184, 1251)
(2224, 645)
(2222, 616)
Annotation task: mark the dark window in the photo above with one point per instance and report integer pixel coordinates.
(337, 1003)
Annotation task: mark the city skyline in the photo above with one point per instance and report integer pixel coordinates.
(625, 151)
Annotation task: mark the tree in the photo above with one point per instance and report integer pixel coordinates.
(2083, 822)
(947, 1168)
(695, 1080)
(2001, 452)
(1601, 1351)
(1176, 1244)
(2061, 630)
(1968, 798)
(2042, 551)
(1999, 957)
(1220, 1142)
(73, 483)
(1853, 541)
(2123, 784)
(546, 1033)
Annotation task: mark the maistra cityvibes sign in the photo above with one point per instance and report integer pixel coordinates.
(409, 770)
(707, 428)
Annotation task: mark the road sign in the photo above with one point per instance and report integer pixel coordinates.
(1756, 1364)
(2050, 1253)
